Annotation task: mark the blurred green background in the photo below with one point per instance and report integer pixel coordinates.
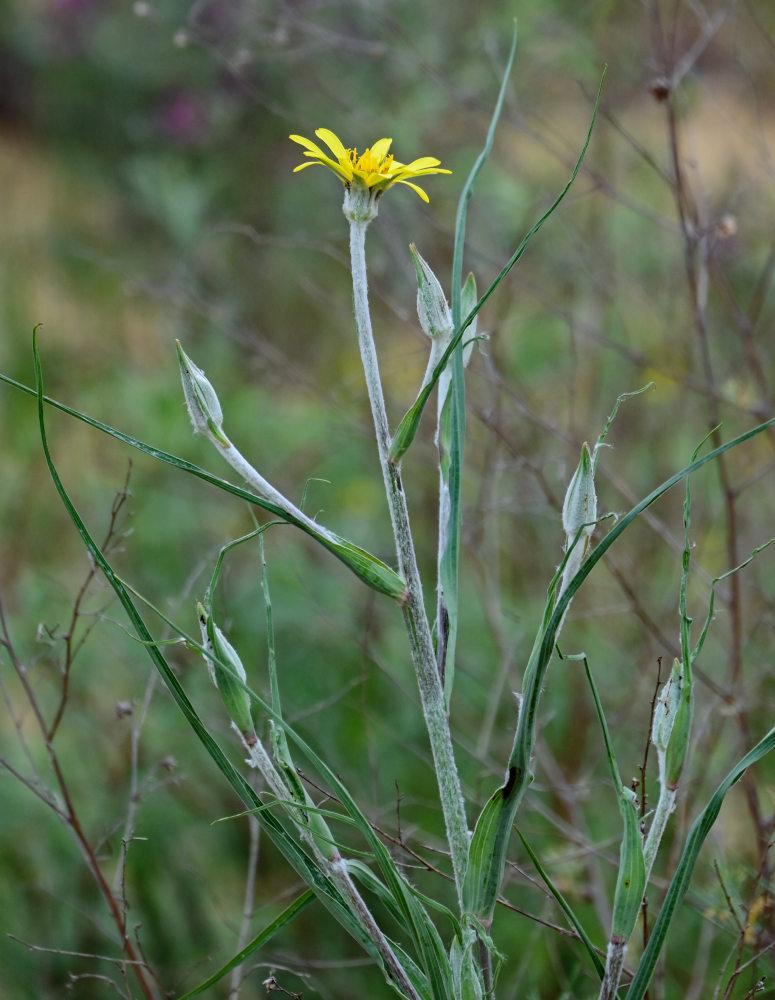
(147, 194)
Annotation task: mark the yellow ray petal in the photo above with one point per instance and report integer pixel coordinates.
(422, 173)
(325, 161)
(414, 187)
(380, 149)
(333, 164)
(423, 163)
(308, 144)
(334, 143)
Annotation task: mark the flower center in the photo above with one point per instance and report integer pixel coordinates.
(369, 163)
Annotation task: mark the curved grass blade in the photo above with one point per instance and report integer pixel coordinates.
(411, 420)
(371, 570)
(566, 908)
(452, 474)
(405, 899)
(631, 880)
(468, 187)
(489, 844)
(374, 884)
(414, 918)
(683, 873)
(631, 877)
(417, 922)
(266, 934)
(306, 868)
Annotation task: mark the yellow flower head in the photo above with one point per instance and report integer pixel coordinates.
(375, 167)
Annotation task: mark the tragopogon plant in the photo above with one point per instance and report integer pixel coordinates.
(444, 948)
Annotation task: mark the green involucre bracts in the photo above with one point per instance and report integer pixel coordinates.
(227, 673)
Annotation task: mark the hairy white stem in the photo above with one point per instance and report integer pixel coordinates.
(253, 478)
(340, 875)
(614, 963)
(665, 806)
(333, 865)
(260, 759)
(415, 617)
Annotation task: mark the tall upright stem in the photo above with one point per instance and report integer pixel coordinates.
(415, 617)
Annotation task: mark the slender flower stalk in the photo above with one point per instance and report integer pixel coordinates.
(664, 808)
(423, 655)
(366, 178)
(614, 965)
(331, 862)
(253, 478)
(341, 876)
(670, 736)
(207, 419)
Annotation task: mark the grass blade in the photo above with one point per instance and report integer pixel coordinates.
(631, 879)
(566, 908)
(371, 570)
(325, 890)
(433, 958)
(491, 834)
(450, 507)
(266, 934)
(411, 420)
(683, 873)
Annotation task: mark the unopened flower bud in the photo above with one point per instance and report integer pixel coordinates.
(666, 708)
(579, 513)
(432, 307)
(227, 671)
(201, 401)
(680, 736)
(580, 507)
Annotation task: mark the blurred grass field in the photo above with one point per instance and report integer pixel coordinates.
(146, 194)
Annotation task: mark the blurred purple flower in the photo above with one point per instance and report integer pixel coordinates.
(183, 119)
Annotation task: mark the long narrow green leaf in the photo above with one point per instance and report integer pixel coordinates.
(490, 840)
(266, 934)
(449, 559)
(433, 958)
(487, 852)
(414, 921)
(407, 429)
(415, 918)
(406, 900)
(368, 878)
(631, 878)
(366, 566)
(683, 873)
(573, 920)
(363, 874)
(468, 187)
(491, 833)
(325, 890)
